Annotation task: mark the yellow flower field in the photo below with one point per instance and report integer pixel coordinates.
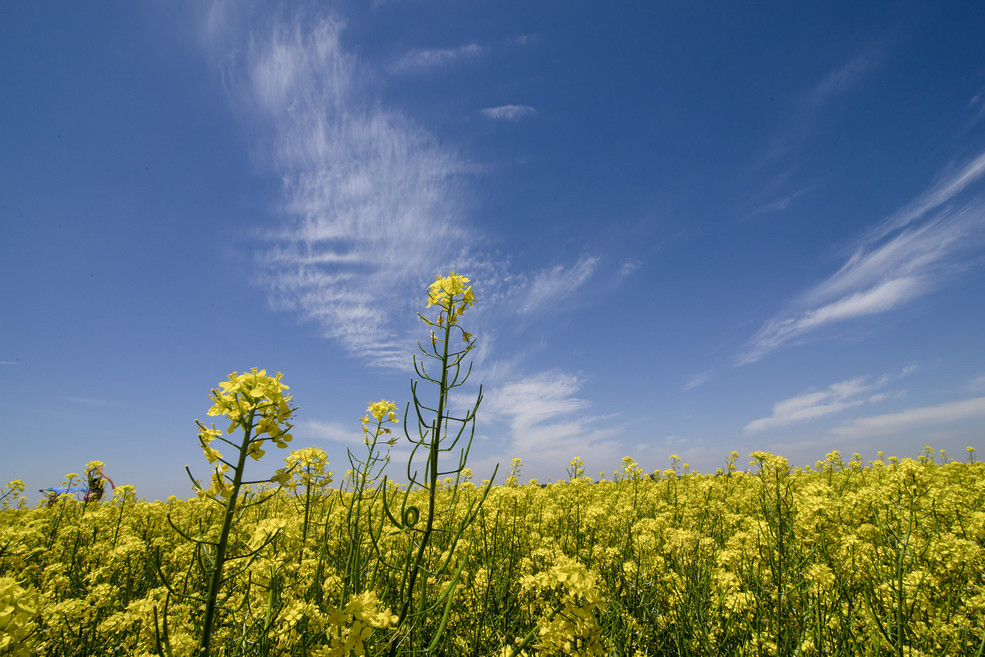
(844, 558)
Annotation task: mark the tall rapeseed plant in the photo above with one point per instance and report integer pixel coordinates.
(438, 432)
(363, 496)
(255, 404)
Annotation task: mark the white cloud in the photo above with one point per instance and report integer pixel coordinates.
(527, 293)
(976, 108)
(781, 203)
(547, 422)
(532, 400)
(371, 209)
(427, 59)
(869, 302)
(904, 257)
(810, 406)
(698, 379)
(552, 285)
(880, 425)
(834, 84)
(508, 112)
(629, 266)
(977, 383)
(883, 396)
(949, 186)
(847, 76)
(816, 404)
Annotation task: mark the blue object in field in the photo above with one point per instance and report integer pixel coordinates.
(61, 490)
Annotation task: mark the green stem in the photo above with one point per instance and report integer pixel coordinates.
(432, 481)
(220, 555)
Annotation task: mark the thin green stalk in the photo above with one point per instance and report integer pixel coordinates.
(432, 483)
(220, 555)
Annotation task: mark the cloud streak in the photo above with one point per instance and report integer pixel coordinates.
(557, 283)
(814, 405)
(418, 61)
(906, 256)
(833, 85)
(508, 112)
(548, 424)
(370, 205)
(976, 108)
(780, 204)
(881, 425)
(698, 379)
(848, 76)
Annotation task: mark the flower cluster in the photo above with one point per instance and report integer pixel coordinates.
(381, 411)
(255, 403)
(351, 626)
(570, 628)
(309, 467)
(253, 393)
(452, 295)
(18, 609)
(11, 493)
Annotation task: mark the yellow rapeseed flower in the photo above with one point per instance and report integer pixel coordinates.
(381, 411)
(451, 294)
(18, 609)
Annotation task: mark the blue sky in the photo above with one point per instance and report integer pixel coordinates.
(691, 228)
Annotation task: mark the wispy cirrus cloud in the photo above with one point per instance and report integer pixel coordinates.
(698, 379)
(548, 422)
(847, 76)
(943, 191)
(508, 112)
(529, 293)
(834, 84)
(779, 204)
(419, 61)
(976, 109)
(907, 255)
(629, 266)
(370, 206)
(892, 423)
(557, 283)
(813, 405)
(533, 400)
